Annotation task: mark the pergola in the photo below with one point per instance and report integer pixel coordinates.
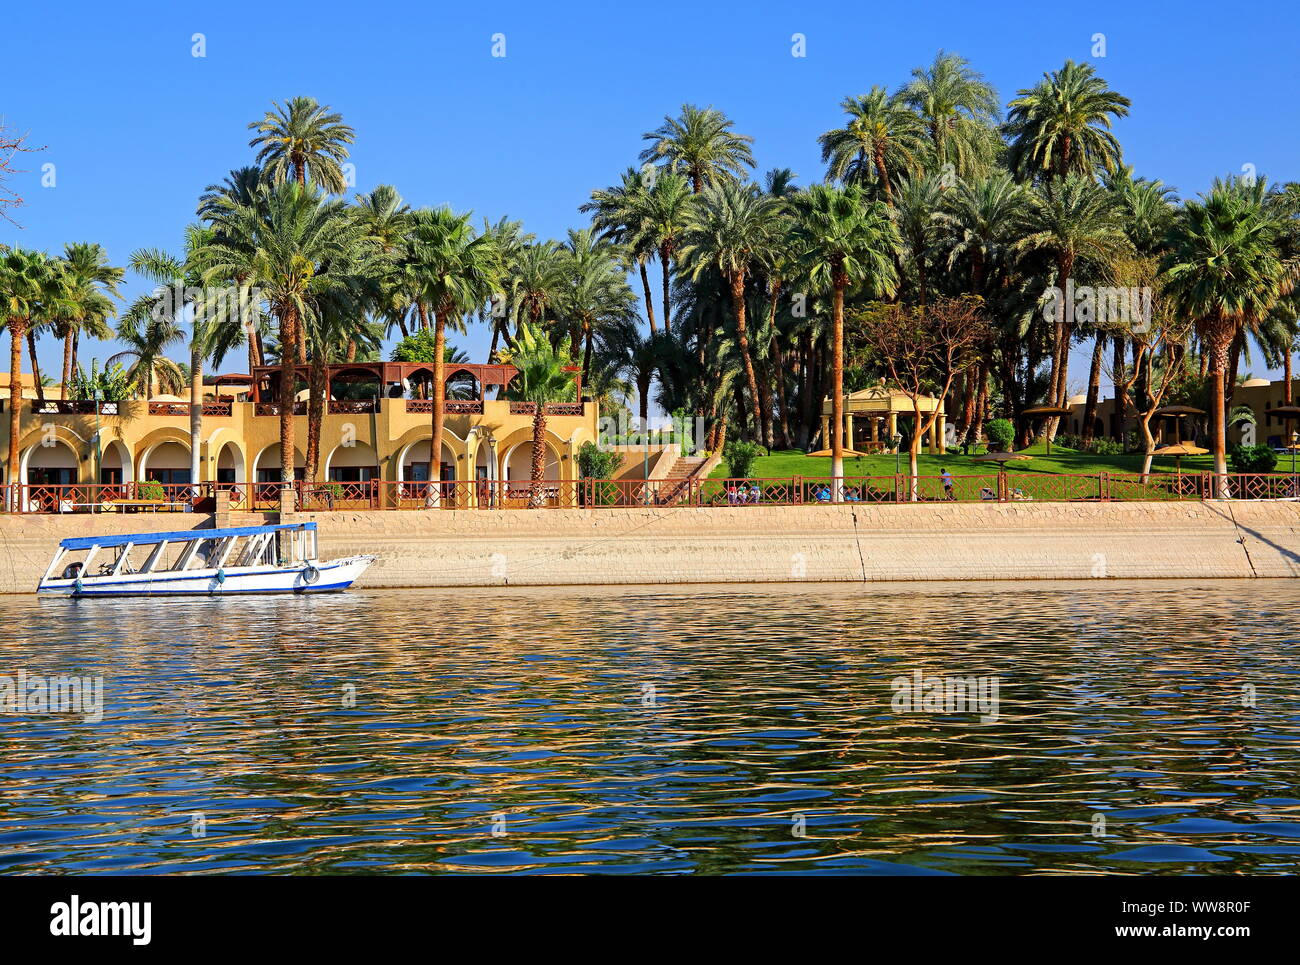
(881, 407)
(388, 377)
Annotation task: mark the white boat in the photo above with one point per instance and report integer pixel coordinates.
(203, 562)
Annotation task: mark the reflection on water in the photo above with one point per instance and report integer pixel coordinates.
(700, 729)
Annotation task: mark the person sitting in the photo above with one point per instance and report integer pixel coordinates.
(822, 494)
(852, 495)
(987, 493)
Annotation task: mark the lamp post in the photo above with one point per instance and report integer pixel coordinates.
(99, 454)
(898, 442)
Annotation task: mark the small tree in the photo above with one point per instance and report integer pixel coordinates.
(740, 458)
(1000, 432)
(543, 377)
(923, 350)
(596, 463)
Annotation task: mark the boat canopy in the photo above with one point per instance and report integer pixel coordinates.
(144, 539)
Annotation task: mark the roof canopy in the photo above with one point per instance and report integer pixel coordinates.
(878, 399)
(177, 536)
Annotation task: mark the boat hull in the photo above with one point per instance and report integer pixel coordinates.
(332, 576)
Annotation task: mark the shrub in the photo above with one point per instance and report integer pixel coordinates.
(596, 463)
(740, 458)
(149, 489)
(1252, 459)
(999, 433)
(1105, 446)
(1068, 440)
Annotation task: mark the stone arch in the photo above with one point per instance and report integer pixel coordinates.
(343, 459)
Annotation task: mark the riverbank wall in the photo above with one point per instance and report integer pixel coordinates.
(848, 543)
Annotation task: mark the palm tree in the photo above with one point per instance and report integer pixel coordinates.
(625, 348)
(543, 377)
(510, 241)
(701, 143)
(146, 338)
(92, 283)
(843, 239)
(303, 140)
(958, 109)
(176, 277)
(667, 215)
(453, 271)
(619, 215)
(1062, 125)
(1070, 219)
(1224, 271)
(916, 212)
(597, 293)
(297, 248)
(882, 139)
(25, 277)
(734, 228)
(540, 281)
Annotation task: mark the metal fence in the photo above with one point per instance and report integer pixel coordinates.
(629, 493)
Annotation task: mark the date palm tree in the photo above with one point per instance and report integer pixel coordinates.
(734, 228)
(619, 214)
(543, 377)
(453, 271)
(1070, 219)
(667, 216)
(843, 239)
(92, 286)
(701, 143)
(510, 241)
(882, 139)
(959, 110)
(597, 294)
(1224, 271)
(180, 292)
(297, 248)
(303, 140)
(25, 280)
(1062, 125)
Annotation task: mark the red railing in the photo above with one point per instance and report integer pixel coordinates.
(74, 407)
(633, 493)
(273, 408)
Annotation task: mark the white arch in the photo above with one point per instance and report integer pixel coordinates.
(406, 452)
(355, 447)
(125, 462)
(552, 460)
(25, 460)
(259, 464)
(144, 456)
(237, 458)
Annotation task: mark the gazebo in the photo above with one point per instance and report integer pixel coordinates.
(871, 419)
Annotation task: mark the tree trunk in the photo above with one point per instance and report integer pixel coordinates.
(17, 331)
(317, 401)
(67, 360)
(883, 173)
(664, 262)
(36, 368)
(1220, 342)
(837, 387)
(539, 456)
(1286, 370)
(196, 411)
(588, 338)
(1117, 376)
(288, 373)
(649, 300)
(439, 396)
(1094, 389)
(742, 334)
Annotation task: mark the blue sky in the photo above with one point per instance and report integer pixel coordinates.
(137, 126)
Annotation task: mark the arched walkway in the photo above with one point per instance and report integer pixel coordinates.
(518, 462)
(355, 463)
(230, 464)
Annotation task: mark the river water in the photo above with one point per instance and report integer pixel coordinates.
(1140, 728)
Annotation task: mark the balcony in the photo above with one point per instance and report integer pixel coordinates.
(74, 407)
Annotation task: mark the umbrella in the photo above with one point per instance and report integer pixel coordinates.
(1178, 451)
(1001, 458)
(1047, 410)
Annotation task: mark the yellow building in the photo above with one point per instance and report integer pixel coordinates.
(1259, 395)
(377, 427)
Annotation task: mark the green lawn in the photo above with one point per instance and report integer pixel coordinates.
(785, 464)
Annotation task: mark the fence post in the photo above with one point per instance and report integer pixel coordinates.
(1103, 486)
(798, 490)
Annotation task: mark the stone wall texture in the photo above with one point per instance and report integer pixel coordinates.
(966, 541)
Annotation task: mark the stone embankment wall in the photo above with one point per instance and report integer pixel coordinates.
(857, 543)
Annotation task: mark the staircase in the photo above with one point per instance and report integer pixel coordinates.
(675, 484)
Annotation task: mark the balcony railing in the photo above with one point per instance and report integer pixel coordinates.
(73, 407)
(552, 408)
(273, 408)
